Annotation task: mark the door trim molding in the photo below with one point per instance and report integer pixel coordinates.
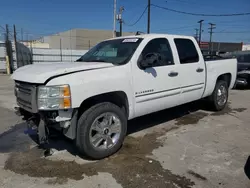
(158, 92)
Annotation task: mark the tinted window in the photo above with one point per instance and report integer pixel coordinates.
(186, 50)
(159, 46)
(243, 58)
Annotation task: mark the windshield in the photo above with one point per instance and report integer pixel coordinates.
(118, 51)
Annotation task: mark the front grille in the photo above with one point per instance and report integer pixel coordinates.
(26, 96)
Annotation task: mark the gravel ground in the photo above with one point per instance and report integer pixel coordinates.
(182, 147)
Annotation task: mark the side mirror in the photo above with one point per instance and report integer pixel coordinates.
(149, 60)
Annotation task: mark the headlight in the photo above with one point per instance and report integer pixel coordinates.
(54, 97)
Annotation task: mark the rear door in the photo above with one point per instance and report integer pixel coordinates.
(192, 69)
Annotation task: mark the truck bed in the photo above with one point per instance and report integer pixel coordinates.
(216, 68)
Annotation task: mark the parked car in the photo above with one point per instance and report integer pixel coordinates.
(119, 79)
(243, 75)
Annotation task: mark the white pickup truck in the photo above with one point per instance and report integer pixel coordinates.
(119, 79)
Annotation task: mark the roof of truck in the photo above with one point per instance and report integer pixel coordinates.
(152, 36)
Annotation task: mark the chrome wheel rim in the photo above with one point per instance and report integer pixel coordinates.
(222, 95)
(105, 131)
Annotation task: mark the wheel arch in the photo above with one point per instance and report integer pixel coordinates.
(227, 77)
(118, 98)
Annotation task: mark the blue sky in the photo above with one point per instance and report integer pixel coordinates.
(43, 17)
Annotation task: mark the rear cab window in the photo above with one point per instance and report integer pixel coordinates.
(186, 50)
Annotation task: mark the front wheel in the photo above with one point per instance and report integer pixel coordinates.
(219, 96)
(101, 130)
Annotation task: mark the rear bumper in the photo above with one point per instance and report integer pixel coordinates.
(241, 82)
(243, 78)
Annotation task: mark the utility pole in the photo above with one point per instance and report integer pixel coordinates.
(149, 9)
(16, 48)
(22, 34)
(196, 34)
(61, 48)
(212, 26)
(8, 51)
(114, 29)
(200, 22)
(119, 18)
(7, 33)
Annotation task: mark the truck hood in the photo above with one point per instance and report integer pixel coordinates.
(39, 73)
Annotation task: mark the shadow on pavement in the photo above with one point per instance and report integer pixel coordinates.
(163, 116)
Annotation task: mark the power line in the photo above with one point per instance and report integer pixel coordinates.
(197, 14)
(233, 32)
(190, 2)
(138, 18)
(177, 28)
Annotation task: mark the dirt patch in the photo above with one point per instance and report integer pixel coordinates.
(130, 166)
(228, 111)
(192, 118)
(239, 109)
(191, 172)
(59, 181)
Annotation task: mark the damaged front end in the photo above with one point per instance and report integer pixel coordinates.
(44, 109)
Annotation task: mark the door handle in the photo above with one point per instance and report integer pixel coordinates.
(199, 70)
(173, 74)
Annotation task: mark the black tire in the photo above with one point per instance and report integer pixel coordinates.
(83, 128)
(213, 98)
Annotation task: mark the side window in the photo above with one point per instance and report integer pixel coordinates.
(186, 51)
(160, 46)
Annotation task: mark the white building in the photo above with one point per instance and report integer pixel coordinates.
(245, 47)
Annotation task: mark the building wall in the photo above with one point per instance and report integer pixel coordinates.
(79, 39)
(222, 46)
(89, 38)
(67, 38)
(36, 44)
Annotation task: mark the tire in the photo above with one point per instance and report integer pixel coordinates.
(85, 130)
(215, 104)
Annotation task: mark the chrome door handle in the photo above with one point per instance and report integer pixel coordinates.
(199, 70)
(173, 74)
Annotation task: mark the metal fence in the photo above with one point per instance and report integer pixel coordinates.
(2, 57)
(55, 55)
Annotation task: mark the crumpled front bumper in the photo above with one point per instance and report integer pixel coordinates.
(35, 122)
(62, 120)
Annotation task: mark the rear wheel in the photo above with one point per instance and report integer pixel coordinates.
(219, 96)
(101, 130)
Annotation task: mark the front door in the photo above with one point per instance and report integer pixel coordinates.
(156, 87)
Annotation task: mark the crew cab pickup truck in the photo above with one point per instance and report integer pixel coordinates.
(119, 79)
